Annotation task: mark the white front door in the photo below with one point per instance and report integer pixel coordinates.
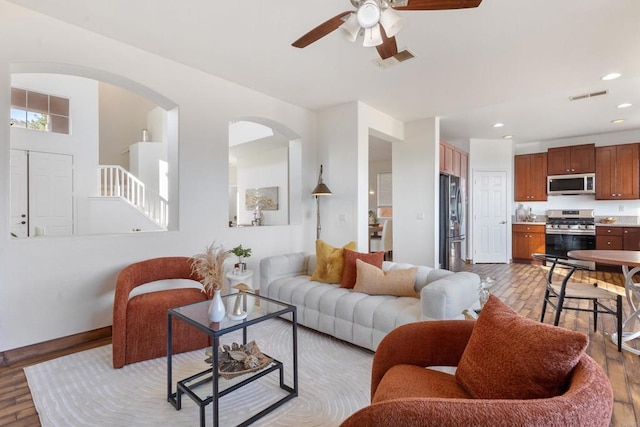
(50, 194)
(490, 217)
(18, 193)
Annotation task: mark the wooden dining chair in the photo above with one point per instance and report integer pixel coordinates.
(566, 294)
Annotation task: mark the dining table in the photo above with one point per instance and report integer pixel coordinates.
(630, 263)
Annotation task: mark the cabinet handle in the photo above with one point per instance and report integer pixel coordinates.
(619, 194)
(609, 231)
(626, 231)
(608, 243)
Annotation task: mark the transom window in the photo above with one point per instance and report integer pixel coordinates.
(39, 111)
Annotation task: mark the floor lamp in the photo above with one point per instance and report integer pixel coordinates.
(320, 190)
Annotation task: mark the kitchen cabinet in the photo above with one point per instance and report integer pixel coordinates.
(609, 238)
(618, 238)
(617, 172)
(453, 161)
(530, 177)
(571, 159)
(446, 158)
(525, 240)
(631, 239)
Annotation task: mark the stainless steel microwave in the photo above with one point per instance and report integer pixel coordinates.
(571, 184)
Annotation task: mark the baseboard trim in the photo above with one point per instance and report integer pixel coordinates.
(10, 357)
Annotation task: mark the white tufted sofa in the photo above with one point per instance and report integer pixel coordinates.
(359, 318)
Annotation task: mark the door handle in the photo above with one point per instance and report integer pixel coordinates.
(503, 222)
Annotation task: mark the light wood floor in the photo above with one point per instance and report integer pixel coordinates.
(520, 286)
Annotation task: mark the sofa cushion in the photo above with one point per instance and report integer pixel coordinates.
(350, 257)
(373, 281)
(329, 262)
(511, 357)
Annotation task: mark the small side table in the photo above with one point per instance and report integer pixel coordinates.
(245, 277)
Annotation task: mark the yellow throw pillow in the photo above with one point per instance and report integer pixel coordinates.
(330, 262)
(373, 281)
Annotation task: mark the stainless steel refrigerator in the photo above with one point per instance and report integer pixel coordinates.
(452, 225)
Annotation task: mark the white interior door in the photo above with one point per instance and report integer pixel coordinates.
(490, 217)
(50, 194)
(19, 193)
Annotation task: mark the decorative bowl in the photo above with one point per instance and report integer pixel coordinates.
(609, 219)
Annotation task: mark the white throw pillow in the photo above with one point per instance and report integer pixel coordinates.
(164, 285)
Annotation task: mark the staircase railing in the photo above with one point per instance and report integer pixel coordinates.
(116, 181)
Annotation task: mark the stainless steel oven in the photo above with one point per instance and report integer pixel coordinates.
(568, 230)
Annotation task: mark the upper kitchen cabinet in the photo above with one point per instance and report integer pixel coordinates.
(452, 160)
(617, 172)
(571, 159)
(530, 177)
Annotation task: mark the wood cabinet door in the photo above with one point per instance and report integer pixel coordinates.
(631, 239)
(609, 242)
(537, 244)
(522, 168)
(520, 246)
(442, 165)
(538, 177)
(583, 158)
(559, 160)
(456, 164)
(627, 177)
(605, 173)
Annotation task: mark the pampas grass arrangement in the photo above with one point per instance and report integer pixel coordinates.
(210, 266)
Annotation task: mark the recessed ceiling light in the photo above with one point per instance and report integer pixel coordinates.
(611, 76)
(625, 105)
(617, 121)
(498, 125)
(507, 137)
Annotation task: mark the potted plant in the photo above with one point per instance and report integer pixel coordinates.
(241, 253)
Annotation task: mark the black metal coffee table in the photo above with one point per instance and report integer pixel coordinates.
(196, 316)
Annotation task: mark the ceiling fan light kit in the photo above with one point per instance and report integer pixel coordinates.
(379, 22)
(391, 21)
(372, 36)
(368, 14)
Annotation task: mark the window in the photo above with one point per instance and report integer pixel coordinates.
(39, 111)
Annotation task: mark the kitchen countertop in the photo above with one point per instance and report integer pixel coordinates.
(529, 223)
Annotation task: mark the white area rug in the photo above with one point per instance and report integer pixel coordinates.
(83, 389)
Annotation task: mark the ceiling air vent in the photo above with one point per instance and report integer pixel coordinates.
(587, 95)
(395, 59)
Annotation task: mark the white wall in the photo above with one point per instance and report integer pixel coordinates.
(415, 193)
(338, 153)
(54, 287)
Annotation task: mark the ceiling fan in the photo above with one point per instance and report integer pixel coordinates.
(377, 21)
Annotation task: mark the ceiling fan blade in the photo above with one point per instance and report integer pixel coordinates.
(439, 4)
(389, 47)
(320, 31)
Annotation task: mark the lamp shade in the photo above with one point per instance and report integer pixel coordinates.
(372, 36)
(391, 22)
(351, 28)
(321, 190)
(368, 14)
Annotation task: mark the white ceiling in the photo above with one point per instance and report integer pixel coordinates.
(513, 61)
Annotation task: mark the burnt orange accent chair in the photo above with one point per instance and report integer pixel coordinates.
(139, 329)
(405, 393)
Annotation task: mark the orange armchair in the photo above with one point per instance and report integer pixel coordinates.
(139, 329)
(404, 393)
